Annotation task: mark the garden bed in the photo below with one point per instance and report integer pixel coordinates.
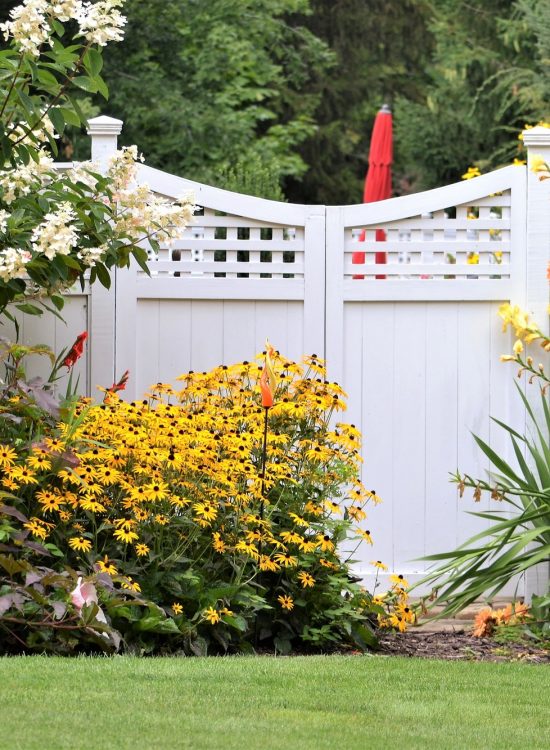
(459, 645)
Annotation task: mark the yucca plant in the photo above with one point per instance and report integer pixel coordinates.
(519, 538)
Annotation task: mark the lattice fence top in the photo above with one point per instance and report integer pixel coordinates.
(469, 241)
(232, 237)
(220, 245)
(462, 232)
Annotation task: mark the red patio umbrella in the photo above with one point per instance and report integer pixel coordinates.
(378, 177)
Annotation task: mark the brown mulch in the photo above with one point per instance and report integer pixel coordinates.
(459, 646)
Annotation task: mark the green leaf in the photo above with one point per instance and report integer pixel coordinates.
(57, 26)
(364, 637)
(235, 621)
(55, 551)
(103, 275)
(70, 117)
(45, 77)
(102, 87)
(86, 83)
(58, 121)
(93, 61)
(283, 645)
(29, 309)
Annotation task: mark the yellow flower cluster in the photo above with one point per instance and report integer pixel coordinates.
(525, 329)
(186, 464)
(471, 173)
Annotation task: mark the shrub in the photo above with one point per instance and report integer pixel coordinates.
(196, 545)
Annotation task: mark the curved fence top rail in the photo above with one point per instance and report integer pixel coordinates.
(237, 204)
(361, 214)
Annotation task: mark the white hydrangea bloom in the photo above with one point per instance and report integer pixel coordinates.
(82, 172)
(91, 255)
(122, 168)
(55, 235)
(65, 10)
(28, 26)
(26, 177)
(12, 263)
(102, 22)
(4, 216)
(29, 23)
(139, 209)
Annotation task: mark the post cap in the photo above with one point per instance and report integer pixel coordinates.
(537, 136)
(385, 109)
(104, 125)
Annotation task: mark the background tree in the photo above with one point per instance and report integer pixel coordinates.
(488, 77)
(202, 86)
(382, 51)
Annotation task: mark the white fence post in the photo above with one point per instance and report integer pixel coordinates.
(537, 142)
(103, 132)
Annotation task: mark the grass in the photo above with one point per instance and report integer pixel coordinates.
(248, 703)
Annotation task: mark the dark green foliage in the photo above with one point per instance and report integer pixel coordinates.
(488, 78)
(202, 87)
(382, 49)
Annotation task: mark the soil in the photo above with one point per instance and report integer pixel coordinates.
(459, 646)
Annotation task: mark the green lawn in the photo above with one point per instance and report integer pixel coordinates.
(265, 703)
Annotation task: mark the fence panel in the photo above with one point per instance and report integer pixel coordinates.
(419, 354)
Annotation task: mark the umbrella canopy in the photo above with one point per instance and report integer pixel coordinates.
(378, 180)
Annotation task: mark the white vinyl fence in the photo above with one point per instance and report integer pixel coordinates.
(417, 350)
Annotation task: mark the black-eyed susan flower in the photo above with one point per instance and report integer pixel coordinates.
(80, 544)
(49, 501)
(23, 475)
(356, 512)
(54, 445)
(324, 543)
(249, 548)
(129, 584)
(379, 564)
(36, 529)
(125, 535)
(399, 580)
(157, 491)
(7, 456)
(291, 537)
(205, 511)
(285, 559)
(91, 505)
(142, 549)
(365, 535)
(106, 566)
(298, 520)
(286, 601)
(307, 580)
(332, 507)
(266, 563)
(217, 542)
(307, 545)
(39, 461)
